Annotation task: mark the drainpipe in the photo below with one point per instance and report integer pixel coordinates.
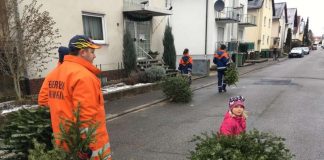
(206, 29)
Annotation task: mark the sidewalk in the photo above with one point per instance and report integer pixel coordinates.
(134, 103)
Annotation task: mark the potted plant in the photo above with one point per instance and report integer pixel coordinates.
(153, 54)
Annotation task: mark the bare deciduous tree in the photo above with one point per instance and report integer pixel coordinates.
(27, 40)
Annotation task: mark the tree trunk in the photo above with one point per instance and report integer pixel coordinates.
(17, 87)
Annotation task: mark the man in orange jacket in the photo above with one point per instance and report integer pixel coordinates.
(74, 82)
(43, 95)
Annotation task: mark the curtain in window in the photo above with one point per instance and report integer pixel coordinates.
(93, 27)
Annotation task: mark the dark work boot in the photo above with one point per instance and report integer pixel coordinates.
(220, 90)
(224, 87)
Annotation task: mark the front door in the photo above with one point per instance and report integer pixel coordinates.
(141, 33)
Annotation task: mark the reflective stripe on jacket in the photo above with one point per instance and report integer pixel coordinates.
(71, 83)
(185, 64)
(221, 59)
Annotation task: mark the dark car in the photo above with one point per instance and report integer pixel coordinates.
(314, 46)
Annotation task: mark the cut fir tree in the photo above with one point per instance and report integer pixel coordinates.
(231, 75)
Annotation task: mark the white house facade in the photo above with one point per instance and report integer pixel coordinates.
(200, 28)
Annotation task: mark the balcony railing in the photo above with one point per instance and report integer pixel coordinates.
(247, 20)
(144, 8)
(228, 15)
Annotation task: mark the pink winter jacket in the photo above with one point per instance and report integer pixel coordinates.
(232, 125)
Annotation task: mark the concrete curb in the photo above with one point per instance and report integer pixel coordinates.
(147, 105)
(130, 91)
(114, 116)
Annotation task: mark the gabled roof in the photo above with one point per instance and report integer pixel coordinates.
(292, 16)
(257, 4)
(280, 8)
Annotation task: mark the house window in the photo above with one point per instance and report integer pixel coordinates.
(265, 21)
(94, 27)
(279, 29)
(269, 22)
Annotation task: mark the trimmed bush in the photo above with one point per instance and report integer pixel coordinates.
(177, 89)
(133, 78)
(169, 52)
(129, 53)
(22, 126)
(155, 73)
(253, 145)
(142, 77)
(231, 75)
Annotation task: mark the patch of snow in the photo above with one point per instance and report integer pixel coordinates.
(18, 108)
(116, 88)
(5, 104)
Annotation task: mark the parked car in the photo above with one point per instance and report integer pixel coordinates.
(314, 46)
(306, 50)
(296, 52)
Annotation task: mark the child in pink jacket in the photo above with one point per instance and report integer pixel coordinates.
(234, 121)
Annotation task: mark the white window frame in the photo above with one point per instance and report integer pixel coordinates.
(104, 32)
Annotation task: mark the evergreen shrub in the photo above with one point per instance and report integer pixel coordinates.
(129, 53)
(253, 145)
(77, 141)
(133, 78)
(231, 75)
(177, 89)
(169, 52)
(155, 73)
(21, 127)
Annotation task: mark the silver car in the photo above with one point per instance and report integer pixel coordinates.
(306, 50)
(296, 52)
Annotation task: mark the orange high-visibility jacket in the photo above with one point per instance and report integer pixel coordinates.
(69, 84)
(186, 59)
(43, 94)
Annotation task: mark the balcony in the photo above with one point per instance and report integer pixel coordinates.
(228, 15)
(143, 8)
(247, 21)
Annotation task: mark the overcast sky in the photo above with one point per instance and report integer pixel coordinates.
(314, 9)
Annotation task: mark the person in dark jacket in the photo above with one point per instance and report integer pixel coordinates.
(62, 52)
(221, 59)
(185, 63)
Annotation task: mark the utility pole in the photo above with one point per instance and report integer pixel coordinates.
(206, 29)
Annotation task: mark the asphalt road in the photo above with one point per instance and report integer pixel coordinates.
(286, 99)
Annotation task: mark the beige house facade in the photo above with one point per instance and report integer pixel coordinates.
(279, 25)
(105, 22)
(261, 35)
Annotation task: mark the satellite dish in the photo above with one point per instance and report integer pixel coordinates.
(219, 5)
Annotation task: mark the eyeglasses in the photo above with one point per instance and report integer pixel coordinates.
(237, 98)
